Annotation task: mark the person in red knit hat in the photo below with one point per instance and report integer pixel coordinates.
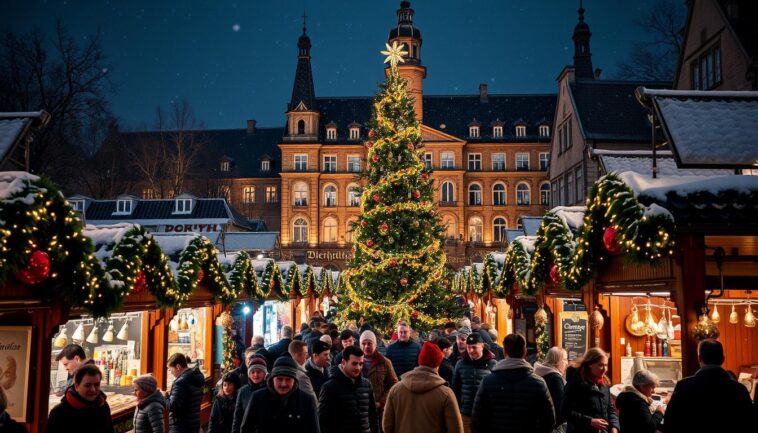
(421, 401)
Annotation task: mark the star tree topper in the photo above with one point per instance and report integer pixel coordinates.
(395, 54)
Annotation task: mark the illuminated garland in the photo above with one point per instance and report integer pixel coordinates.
(199, 261)
(272, 282)
(326, 285)
(243, 279)
(515, 269)
(310, 286)
(543, 340)
(554, 245)
(294, 282)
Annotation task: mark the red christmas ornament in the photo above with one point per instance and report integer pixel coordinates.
(200, 276)
(403, 281)
(384, 227)
(375, 158)
(393, 262)
(368, 145)
(414, 313)
(376, 198)
(140, 283)
(416, 224)
(369, 243)
(416, 194)
(363, 224)
(36, 270)
(555, 277)
(424, 177)
(609, 240)
(410, 146)
(445, 282)
(371, 133)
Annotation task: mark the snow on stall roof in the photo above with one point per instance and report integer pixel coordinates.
(285, 267)
(9, 131)
(499, 258)
(666, 166)
(260, 265)
(601, 152)
(479, 268)
(527, 242)
(173, 244)
(655, 210)
(572, 216)
(105, 237)
(13, 182)
(685, 185)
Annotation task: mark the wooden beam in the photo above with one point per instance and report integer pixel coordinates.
(690, 294)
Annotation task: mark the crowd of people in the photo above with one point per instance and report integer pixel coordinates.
(455, 380)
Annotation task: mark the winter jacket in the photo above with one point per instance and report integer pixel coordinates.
(347, 406)
(184, 401)
(555, 384)
(467, 376)
(304, 382)
(583, 401)
(76, 413)
(634, 412)
(382, 376)
(316, 375)
(512, 399)
(9, 425)
(709, 401)
(269, 412)
(277, 349)
(446, 371)
(222, 414)
(150, 414)
(421, 402)
(486, 337)
(403, 355)
(243, 400)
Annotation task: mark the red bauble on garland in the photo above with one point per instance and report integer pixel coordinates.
(410, 146)
(416, 194)
(384, 227)
(375, 158)
(200, 276)
(36, 270)
(414, 313)
(555, 277)
(140, 283)
(403, 281)
(363, 223)
(609, 240)
(424, 177)
(393, 262)
(371, 133)
(369, 243)
(376, 198)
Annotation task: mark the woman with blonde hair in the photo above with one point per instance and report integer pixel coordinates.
(586, 402)
(553, 370)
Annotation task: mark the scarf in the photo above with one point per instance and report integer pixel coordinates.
(543, 370)
(76, 401)
(646, 399)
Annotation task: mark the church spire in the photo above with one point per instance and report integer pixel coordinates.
(582, 54)
(302, 90)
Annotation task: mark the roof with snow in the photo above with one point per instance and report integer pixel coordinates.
(707, 129)
(531, 224)
(248, 241)
(148, 212)
(13, 128)
(512, 234)
(641, 161)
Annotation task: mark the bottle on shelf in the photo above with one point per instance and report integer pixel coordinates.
(664, 348)
(653, 346)
(628, 349)
(648, 350)
(659, 347)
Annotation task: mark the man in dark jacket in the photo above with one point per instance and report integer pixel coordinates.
(378, 370)
(446, 367)
(186, 395)
(476, 326)
(475, 365)
(346, 403)
(346, 339)
(281, 406)
(710, 400)
(277, 349)
(634, 404)
(317, 366)
(83, 407)
(404, 352)
(459, 346)
(255, 380)
(513, 398)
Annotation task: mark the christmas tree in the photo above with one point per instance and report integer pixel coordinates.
(398, 267)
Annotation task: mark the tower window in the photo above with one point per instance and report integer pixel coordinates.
(300, 127)
(331, 133)
(265, 165)
(497, 131)
(521, 131)
(226, 166)
(473, 131)
(355, 133)
(544, 131)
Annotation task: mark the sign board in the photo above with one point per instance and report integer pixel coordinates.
(15, 351)
(573, 334)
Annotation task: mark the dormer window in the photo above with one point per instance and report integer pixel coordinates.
(183, 206)
(544, 131)
(226, 165)
(265, 165)
(123, 207)
(473, 131)
(520, 130)
(355, 133)
(497, 131)
(77, 205)
(331, 133)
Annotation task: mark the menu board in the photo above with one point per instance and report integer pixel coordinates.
(573, 333)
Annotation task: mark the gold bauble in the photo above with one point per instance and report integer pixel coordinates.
(540, 316)
(596, 319)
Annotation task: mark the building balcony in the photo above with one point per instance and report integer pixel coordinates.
(448, 203)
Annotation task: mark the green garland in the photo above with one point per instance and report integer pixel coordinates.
(515, 270)
(555, 244)
(310, 285)
(243, 279)
(489, 274)
(272, 281)
(294, 282)
(199, 255)
(326, 283)
(543, 340)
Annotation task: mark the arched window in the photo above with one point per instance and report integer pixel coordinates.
(498, 194)
(353, 195)
(300, 231)
(300, 127)
(451, 231)
(330, 196)
(475, 194)
(225, 192)
(448, 195)
(499, 226)
(330, 230)
(300, 194)
(475, 229)
(545, 194)
(522, 195)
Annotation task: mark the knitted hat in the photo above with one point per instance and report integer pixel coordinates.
(430, 356)
(368, 335)
(464, 330)
(147, 383)
(285, 366)
(258, 363)
(474, 338)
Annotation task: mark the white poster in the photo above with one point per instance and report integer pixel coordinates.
(15, 342)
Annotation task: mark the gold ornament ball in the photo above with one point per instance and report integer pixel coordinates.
(540, 316)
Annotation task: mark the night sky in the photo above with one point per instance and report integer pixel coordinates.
(236, 60)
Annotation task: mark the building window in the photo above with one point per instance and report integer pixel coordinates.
(349, 230)
(301, 127)
(353, 195)
(301, 162)
(498, 194)
(544, 131)
(451, 232)
(562, 191)
(330, 163)
(330, 196)
(265, 165)
(497, 131)
(448, 160)
(448, 195)
(520, 131)
(475, 161)
(554, 186)
(124, 206)
(330, 230)
(475, 229)
(706, 69)
(300, 231)
(522, 195)
(428, 161)
(499, 227)
(571, 188)
(148, 193)
(248, 195)
(475, 194)
(579, 184)
(354, 163)
(331, 133)
(473, 131)
(226, 165)
(271, 195)
(183, 205)
(78, 205)
(545, 194)
(225, 192)
(544, 161)
(522, 161)
(300, 197)
(564, 136)
(355, 133)
(498, 162)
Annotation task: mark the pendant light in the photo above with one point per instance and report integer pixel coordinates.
(92, 338)
(734, 318)
(108, 337)
(123, 333)
(62, 339)
(78, 334)
(749, 317)
(715, 317)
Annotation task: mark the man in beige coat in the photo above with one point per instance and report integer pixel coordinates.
(421, 402)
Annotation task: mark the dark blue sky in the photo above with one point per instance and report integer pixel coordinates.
(236, 60)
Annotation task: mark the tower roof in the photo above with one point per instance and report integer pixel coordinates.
(405, 26)
(582, 53)
(302, 89)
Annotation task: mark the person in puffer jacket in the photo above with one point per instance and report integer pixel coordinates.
(475, 365)
(151, 412)
(635, 403)
(404, 352)
(222, 413)
(186, 395)
(346, 403)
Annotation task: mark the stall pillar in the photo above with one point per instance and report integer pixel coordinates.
(690, 295)
(158, 329)
(48, 321)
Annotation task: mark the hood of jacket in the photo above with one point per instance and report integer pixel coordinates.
(156, 396)
(543, 370)
(421, 380)
(630, 390)
(512, 364)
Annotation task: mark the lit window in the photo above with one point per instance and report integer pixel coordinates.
(498, 162)
(545, 194)
(520, 131)
(301, 162)
(499, 227)
(148, 193)
(474, 161)
(300, 191)
(354, 163)
(448, 196)
(475, 194)
(226, 165)
(78, 205)
(544, 161)
(349, 230)
(330, 163)
(248, 195)
(522, 195)
(300, 231)
(265, 165)
(330, 196)
(355, 133)
(183, 205)
(448, 160)
(124, 206)
(271, 194)
(451, 232)
(522, 161)
(475, 229)
(353, 195)
(473, 131)
(330, 230)
(331, 133)
(498, 195)
(224, 190)
(544, 131)
(497, 131)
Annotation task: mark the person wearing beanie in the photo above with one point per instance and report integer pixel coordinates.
(222, 412)
(476, 326)
(403, 353)
(152, 407)
(346, 403)
(446, 367)
(475, 365)
(377, 369)
(421, 402)
(317, 366)
(281, 406)
(256, 377)
(513, 398)
(460, 344)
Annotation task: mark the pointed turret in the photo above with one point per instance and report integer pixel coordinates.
(582, 54)
(302, 114)
(414, 73)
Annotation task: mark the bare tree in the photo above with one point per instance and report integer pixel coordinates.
(655, 58)
(181, 139)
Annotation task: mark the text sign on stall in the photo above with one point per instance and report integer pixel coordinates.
(574, 334)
